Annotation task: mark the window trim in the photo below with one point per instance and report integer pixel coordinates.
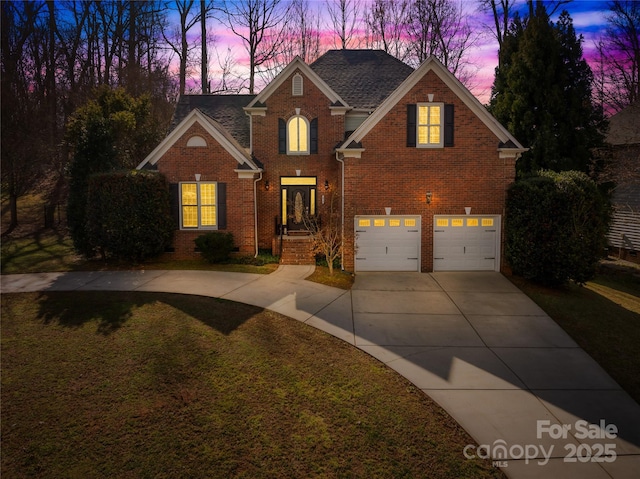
(297, 85)
(440, 144)
(308, 124)
(199, 206)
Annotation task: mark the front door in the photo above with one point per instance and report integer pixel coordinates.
(298, 201)
(298, 206)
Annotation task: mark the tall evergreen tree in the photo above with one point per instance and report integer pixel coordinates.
(542, 93)
(113, 131)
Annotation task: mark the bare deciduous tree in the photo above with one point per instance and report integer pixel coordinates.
(260, 25)
(177, 39)
(302, 34)
(501, 11)
(229, 79)
(326, 231)
(344, 16)
(439, 28)
(618, 71)
(385, 21)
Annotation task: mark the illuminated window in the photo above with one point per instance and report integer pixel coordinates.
(472, 221)
(409, 221)
(394, 222)
(378, 222)
(429, 125)
(487, 221)
(198, 205)
(364, 223)
(442, 222)
(457, 222)
(298, 136)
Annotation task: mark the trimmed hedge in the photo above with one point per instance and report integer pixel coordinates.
(555, 227)
(129, 214)
(216, 246)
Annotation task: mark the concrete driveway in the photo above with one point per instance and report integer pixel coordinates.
(531, 398)
(502, 368)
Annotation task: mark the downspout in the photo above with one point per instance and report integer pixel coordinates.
(255, 186)
(341, 208)
(255, 211)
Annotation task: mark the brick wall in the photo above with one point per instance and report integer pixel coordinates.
(213, 163)
(323, 165)
(390, 174)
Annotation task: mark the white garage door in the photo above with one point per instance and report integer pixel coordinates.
(466, 243)
(387, 243)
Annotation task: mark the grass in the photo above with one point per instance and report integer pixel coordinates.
(603, 317)
(100, 384)
(34, 249)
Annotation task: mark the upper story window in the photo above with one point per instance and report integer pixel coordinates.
(198, 205)
(298, 136)
(429, 125)
(196, 141)
(297, 85)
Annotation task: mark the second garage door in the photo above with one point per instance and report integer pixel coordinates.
(466, 243)
(387, 243)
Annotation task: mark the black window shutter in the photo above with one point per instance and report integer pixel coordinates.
(282, 136)
(174, 199)
(411, 125)
(222, 206)
(448, 125)
(314, 136)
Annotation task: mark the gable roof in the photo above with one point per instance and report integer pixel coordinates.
(624, 126)
(507, 141)
(215, 129)
(297, 63)
(364, 78)
(227, 110)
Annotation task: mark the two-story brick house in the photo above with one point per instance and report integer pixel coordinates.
(418, 166)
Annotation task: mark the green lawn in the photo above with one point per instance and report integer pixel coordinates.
(603, 317)
(136, 385)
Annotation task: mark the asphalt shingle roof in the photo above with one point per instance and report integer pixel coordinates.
(363, 78)
(225, 109)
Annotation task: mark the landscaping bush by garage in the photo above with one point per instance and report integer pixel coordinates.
(555, 227)
(130, 214)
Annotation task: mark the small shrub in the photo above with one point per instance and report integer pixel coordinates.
(555, 227)
(215, 247)
(264, 257)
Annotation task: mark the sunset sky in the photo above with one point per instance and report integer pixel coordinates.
(589, 20)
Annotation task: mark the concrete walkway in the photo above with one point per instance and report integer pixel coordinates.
(521, 387)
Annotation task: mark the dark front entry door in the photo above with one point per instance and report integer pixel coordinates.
(298, 205)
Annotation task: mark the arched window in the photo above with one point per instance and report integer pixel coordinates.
(196, 141)
(297, 85)
(298, 136)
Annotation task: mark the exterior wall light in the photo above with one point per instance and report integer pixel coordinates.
(326, 185)
(266, 185)
(429, 196)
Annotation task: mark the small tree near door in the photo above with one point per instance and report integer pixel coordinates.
(326, 232)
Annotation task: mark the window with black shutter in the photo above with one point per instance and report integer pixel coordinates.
(430, 125)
